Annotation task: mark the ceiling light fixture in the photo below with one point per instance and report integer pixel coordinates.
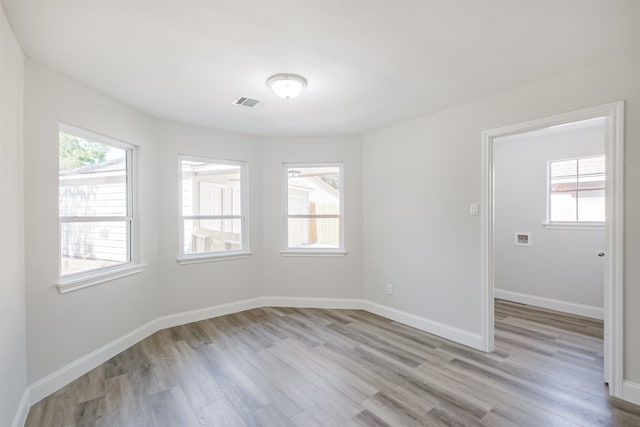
(287, 86)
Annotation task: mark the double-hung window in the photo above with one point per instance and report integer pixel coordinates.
(213, 209)
(313, 207)
(577, 190)
(95, 192)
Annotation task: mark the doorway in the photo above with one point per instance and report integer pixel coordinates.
(612, 117)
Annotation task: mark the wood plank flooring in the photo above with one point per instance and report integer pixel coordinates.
(312, 367)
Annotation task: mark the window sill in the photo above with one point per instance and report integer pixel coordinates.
(313, 252)
(574, 225)
(195, 259)
(84, 280)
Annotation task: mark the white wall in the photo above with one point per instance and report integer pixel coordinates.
(192, 286)
(560, 264)
(13, 366)
(336, 277)
(430, 249)
(62, 328)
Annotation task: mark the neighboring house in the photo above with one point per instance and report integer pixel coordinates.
(93, 190)
(207, 191)
(312, 195)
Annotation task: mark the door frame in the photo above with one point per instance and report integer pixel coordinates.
(614, 232)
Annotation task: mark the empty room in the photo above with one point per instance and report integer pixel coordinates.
(319, 213)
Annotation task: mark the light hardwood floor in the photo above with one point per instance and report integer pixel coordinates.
(312, 367)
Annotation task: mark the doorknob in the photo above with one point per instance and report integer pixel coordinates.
(600, 254)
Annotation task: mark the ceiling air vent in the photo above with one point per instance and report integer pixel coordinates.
(247, 102)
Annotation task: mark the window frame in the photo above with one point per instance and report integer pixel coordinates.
(245, 250)
(571, 225)
(74, 281)
(288, 251)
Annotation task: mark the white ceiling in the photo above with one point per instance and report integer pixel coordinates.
(368, 63)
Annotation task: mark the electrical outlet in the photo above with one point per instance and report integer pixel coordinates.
(389, 289)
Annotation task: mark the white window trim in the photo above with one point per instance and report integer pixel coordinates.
(82, 280)
(185, 259)
(209, 257)
(75, 281)
(328, 252)
(313, 252)
(574, 225)
(569, 225)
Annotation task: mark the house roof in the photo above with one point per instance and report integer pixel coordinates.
(101, 167)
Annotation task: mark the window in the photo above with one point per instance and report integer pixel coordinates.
(577, 190)
(95, 190)
(313, 208)
(213, 220)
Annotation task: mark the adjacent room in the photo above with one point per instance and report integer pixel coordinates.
(319, 213)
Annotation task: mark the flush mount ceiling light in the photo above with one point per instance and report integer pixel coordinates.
(287, 86)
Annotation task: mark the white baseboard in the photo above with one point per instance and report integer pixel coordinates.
(631, 392)
(452, 333)
(54, 381)
(185, 317)
(427, 325)
(552, 304)
(68, 373)
(303, 302)
(63, 376)
(79, 367)
(23, 409)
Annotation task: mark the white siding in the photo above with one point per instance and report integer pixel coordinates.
(94, 194)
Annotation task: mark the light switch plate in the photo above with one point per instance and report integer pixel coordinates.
(473, 209)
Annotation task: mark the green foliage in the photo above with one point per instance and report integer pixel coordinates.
(75, 152)
(332, 180)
